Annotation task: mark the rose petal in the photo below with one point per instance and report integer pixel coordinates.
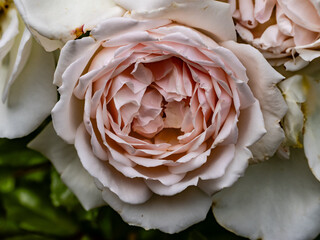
(76, 56)
(169, 214)
(262, 81)
(292, 89)
(9, 29)
(302, 13)
(311, 129)
(60, 21)
(234, 170)
(31, 96)
(18, 59)
(277, 198)
(65, 159)
(191, 13)
(131, 190)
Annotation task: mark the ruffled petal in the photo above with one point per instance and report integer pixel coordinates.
(131, 190)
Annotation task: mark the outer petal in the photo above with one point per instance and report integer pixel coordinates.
(19, 56)
(132, 190)
(262, 81)
(316, 4)
(59, 19)
(31, 96)
(73, 59)
(142, 5)
(312, 130)
(169, 214)
(293, 90)
(276, 199)
(213, 17)
(10, 29)
(65, 159)
(249, 117)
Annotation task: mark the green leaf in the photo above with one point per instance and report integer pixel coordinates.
(21, 158)
(8, 227)
(29, 237)
(33, 213)
(7, 181)
(195, 235)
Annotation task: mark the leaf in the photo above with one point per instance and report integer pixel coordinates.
(20, 157)
(32, 213)
(7, 181)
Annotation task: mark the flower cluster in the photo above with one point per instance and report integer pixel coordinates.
(168, 108)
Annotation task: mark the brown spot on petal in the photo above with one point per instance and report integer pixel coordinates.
(79, 33)
(4, 5)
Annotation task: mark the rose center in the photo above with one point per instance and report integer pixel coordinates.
(159, 102)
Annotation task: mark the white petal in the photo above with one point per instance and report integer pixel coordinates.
(312, 131)
(59, 19)
(142, 5)
(54, 148)
(276, 199)
(295, 64)
(18, 59)
(169, 214)
(10, 30)
(262, 81)
(82, 185)
(31, 96)
(111, 28)
(293, 90)
(65, 159)
(213, 17)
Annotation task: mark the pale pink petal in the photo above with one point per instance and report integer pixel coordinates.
(263, 80)
(176, 212)
(302, 13)
(130, 190)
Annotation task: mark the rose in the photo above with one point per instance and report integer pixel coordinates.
(280, 29)
(27, 92)
(160, 114)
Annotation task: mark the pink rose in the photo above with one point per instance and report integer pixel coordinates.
(160, 114)
(280, 29)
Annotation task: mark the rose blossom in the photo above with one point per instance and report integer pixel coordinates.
(280, 29)
(27, 92)
(161, 116)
